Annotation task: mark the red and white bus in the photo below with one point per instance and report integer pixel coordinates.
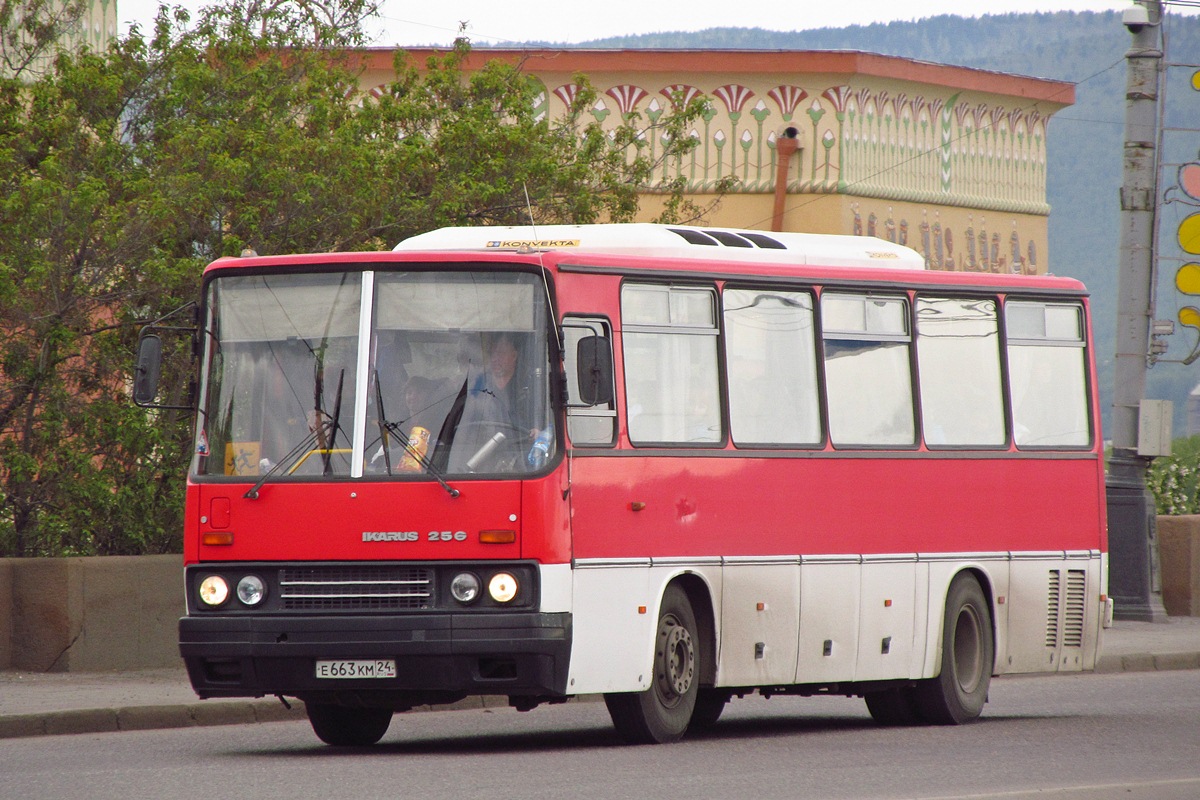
(668, 465)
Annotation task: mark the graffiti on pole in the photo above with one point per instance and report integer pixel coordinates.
(1187, 278)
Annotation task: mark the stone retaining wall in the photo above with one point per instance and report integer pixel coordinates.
(90, 614)
(122, 612)
(1179, 555)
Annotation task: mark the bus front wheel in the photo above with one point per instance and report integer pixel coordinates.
(709, 705)
(662, 713)
(959, 692)
(346, 726)
(894, 707)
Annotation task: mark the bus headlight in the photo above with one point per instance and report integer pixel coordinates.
(214, 591)
(465, 587)
(251, 590)
(502, 587)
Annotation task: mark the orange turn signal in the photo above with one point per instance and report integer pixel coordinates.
(497, 537)
(217, 538)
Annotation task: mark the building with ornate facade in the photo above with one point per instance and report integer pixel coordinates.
(94, 29)
(948, 160)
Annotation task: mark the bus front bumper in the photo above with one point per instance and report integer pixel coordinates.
(438, 657)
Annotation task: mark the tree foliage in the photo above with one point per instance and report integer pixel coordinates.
(122, 173)
(29, 29)
(1174, 480)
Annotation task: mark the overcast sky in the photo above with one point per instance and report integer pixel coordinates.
(406, 22)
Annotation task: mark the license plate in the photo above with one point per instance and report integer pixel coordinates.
(357, 668)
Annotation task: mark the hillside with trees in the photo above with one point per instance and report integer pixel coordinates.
(1084, 141)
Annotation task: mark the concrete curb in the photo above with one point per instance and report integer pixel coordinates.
(142, 718)
(1147, 662)
(242, 712)
(200, 713)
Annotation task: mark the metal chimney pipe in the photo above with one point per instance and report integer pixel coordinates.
(785, 146)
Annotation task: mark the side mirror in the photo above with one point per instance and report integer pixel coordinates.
(148, 371)
(594, 364)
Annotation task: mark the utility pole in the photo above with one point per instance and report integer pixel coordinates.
(1134, 582)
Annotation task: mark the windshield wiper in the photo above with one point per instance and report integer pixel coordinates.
(425, 462)
(320, 415)
(303, 447)
(323, 435)
(383, 424)
(393, 428)
(327, 447)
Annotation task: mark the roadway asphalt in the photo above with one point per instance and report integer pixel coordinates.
(54, 703)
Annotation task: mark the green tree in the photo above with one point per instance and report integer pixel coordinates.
(31, 29)
(1174, 480)
(122, 173)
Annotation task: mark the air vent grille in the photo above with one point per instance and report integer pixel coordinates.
(716, 238)
(1053, 601)
(1075, 606)
(355, 588)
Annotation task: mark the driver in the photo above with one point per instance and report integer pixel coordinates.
(497, 403)
(496, 396)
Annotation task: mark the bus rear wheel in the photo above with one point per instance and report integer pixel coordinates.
(959, 692)
(662, 713)
(346, 726)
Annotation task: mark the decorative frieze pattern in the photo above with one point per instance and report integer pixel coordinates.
(855, 140)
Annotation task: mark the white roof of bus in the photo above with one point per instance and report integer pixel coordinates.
(674, 241)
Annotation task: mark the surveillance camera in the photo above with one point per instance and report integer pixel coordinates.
(1135, 18)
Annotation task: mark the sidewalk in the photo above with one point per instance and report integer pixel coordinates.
(40, 704)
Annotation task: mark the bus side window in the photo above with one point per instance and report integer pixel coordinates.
(958, 357)
(1047, 374)
(588, 423)
(868, 375)
(771, 356)
(669, 342)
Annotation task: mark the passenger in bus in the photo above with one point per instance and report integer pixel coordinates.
(420, 397)
(415, 420)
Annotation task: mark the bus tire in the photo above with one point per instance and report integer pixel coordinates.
(347, 726)
(663, 712)
(709, 705)
(894, 707)
(960, 690)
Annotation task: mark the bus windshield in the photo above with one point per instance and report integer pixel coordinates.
(388, 374)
